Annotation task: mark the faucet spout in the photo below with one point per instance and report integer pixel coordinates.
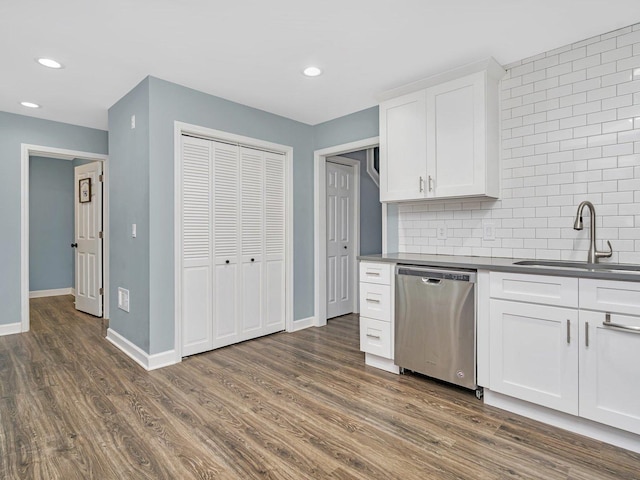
(593, 255)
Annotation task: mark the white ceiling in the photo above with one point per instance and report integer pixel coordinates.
(252, 51)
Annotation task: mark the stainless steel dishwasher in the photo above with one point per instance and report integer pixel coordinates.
(435, 323)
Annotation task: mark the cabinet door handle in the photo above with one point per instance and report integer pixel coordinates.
(617, 326)
(371, 335)
(430, 183)
(421, 184)
(568, 331)
(586, 334)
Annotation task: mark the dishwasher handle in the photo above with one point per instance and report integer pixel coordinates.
(436, 282)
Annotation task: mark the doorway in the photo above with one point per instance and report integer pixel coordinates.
(28, 151)
(342, 218)
(321, 159)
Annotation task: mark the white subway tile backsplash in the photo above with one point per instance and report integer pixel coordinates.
(617, 54)
(570, 122)
(586, 62)
(617, 126)
(601, 46)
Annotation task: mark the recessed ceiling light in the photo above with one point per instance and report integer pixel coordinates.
(48, 62)
(29, 104)
(312, 71)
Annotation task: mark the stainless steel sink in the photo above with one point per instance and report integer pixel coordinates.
(611, 267)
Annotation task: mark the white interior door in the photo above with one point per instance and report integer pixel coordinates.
(340, 234)
(88, 238)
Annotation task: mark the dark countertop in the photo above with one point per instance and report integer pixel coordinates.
(499, 264)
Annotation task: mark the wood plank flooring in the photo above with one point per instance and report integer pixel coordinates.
(287, 406)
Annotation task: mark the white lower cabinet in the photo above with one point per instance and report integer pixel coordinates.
(376, 314)
(610, 370)
(580, 361)
(534, 353)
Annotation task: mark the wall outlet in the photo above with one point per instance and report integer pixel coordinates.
(441, 232)
(123, 299)
(488, 231)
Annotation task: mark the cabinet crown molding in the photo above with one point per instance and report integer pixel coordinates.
(490, 65)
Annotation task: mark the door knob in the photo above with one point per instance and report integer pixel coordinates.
(345, 247)
(74, 245)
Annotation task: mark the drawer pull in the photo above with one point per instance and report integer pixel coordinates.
(373, 274)
(617, 326)
(371, 335)
(373, 300)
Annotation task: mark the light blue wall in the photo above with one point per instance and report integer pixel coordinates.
(14, 131)
(370, 208)
(350, 128)
(129, 204)
(142, 184)
(170, 102)
(51, 205)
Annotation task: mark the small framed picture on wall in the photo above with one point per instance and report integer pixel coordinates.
(85, 190)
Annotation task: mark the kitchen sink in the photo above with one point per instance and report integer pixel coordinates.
(610, 267)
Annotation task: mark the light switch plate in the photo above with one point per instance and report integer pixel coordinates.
(134, 230)
(133, 121)
(123, 299)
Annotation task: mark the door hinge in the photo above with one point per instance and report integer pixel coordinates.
(101, 178)
(101, 291)
(100, 235)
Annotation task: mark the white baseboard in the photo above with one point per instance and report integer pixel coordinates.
(574, 424)
(10, 329)
(142, 358)
(51, 293)
(303, 323)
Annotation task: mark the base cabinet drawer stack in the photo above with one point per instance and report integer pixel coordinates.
(376, 314)
(569, 344)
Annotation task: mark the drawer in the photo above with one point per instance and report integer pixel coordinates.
(376, 272)
(543, 289)
(375, 301)
(375, 337)
(610, 296)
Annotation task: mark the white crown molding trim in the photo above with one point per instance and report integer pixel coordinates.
(146, 361)
(10, 328)
(51, 293)
(303, 323)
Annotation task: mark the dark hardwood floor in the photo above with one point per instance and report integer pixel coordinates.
(287, 406)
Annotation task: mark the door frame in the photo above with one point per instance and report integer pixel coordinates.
(320, 221)
(181, 128)
(28, 150)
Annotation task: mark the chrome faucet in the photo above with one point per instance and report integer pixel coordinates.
(594, 254)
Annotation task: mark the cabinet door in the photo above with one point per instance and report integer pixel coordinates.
(609, 370)
(403, 148)
(534, 353)
(456, 136)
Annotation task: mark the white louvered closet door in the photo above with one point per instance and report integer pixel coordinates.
(252, 240)
(233, 230)
(226, 221)
(275, 267)
(196, 246)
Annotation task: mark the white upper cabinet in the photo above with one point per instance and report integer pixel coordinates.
(403, 139)
(439, 136)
